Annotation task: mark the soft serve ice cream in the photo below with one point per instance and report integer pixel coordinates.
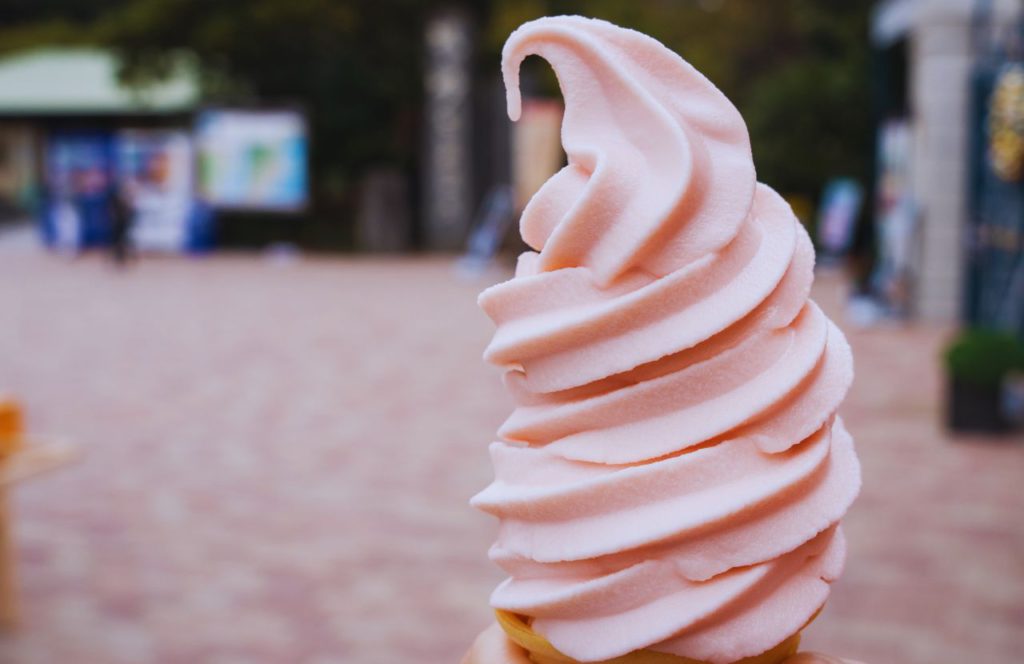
(674, 472)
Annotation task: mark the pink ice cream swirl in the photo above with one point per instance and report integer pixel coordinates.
(674, 472)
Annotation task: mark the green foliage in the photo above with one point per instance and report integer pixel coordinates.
(29, 24)
(795, 68)
(352, 65)
(983, 357)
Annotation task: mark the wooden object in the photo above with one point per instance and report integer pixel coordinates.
(20, 458)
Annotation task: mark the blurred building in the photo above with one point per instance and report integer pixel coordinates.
(936, 65)
(70, 129)
(78, 146)
(47, 91)
(55, 83)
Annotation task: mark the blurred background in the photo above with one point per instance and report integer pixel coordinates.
(240, 245)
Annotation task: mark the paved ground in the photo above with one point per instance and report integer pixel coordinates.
(279, 457)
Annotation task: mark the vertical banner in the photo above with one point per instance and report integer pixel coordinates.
(78, 184)
(154, 170)
(837, 215)
(896, 216)
(448, 185)
(996, 293)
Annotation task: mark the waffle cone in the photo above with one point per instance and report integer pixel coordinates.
(540, 651)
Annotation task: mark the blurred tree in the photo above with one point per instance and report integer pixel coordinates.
(353, 66)
(796, 69)
(32, 23)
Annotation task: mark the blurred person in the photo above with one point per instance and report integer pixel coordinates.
(493, 647)
(121, 210)
(67, 226)
(69, 213)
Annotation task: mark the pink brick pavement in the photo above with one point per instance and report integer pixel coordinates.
(278, 459)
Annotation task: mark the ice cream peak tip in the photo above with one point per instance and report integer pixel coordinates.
(659, 167)
(517, 48)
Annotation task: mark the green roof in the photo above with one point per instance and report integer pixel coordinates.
(84, 81)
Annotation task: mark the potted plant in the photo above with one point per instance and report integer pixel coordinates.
(977, 362)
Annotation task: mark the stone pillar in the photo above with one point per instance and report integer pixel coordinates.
(940, 66)
(941, 62)
(448, 162)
